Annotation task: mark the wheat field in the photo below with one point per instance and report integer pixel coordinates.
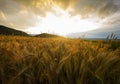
(32, 60)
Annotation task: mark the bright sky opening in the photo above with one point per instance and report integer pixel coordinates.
(59, 16)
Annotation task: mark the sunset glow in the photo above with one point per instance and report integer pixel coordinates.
(60, 17)
(63, 24)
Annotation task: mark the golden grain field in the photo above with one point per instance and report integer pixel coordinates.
(31, 60)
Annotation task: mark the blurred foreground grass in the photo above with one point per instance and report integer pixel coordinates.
(30, 60)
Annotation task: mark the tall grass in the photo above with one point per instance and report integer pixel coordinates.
(27, 60)
(113, 41)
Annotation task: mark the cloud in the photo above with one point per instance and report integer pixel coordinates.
(64, 3)
(108, 9)
(9, 7)
(2, 16)
(92, 8)
(23, 19)
(3, 19)
(39, 7)
(85, 8)
(16, 15)
(112, 20)
(24, 13)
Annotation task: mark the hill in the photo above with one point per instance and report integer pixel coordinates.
(46, 35)
(10, 31)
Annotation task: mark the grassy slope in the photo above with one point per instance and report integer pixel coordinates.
(46, 35)
(27, 60)
(10, 31)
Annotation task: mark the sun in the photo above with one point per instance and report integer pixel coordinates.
(63, 23)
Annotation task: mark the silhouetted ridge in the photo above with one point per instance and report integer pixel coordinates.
(46, 35)
(10, 31)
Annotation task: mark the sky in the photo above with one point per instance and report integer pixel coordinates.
(59, 16)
